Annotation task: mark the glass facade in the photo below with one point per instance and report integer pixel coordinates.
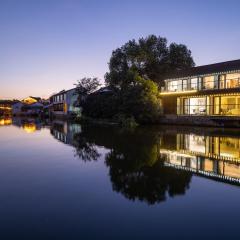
(217, 81)
(194, 106)
(209, 105)
(215, 156)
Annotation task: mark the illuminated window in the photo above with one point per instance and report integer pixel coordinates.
(208, 82)
(185, 106)
(173, 86)
(222, 81)
(185, 84)
(230, 105)
(194, 82)
(232, 80)
(194, 106)
(216, 108)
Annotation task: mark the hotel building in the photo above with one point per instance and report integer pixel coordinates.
(210, 90)
(64, 103)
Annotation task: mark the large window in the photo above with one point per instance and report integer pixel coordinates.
(208, 82)
(222, 81)
(194, 106)
(174, 86)
(216, 102)
(232, 80)
(185, 84)
(230, 105)
(194, 83)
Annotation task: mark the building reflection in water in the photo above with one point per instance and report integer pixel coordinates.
(150, 164)
(64, 131)
(212, 156)
(30, 125)
(5, 121)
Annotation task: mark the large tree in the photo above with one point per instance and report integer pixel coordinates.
(151, 57)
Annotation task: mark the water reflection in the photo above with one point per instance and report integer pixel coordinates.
(216, 156)
(5, 121)
(150, 164)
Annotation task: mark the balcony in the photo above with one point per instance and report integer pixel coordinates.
(181, 86)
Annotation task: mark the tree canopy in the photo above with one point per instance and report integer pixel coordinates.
(151, 58)
(136, 71)
(87, 85)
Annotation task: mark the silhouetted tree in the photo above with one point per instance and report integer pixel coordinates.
(84, 150)
(134, 163)
(150, 57)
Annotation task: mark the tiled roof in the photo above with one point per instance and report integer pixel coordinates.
(206, 69)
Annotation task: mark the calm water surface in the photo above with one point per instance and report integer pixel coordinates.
(61, 180)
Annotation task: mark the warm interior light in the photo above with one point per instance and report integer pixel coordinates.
(178, 93)
(4, 122)
(29, 100)
(30, 127)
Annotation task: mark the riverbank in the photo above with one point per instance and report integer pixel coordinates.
(205, 121)
(200, 121)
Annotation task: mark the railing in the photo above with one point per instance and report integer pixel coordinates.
(208, 85)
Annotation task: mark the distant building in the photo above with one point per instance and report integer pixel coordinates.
(28, 106)
(32, 109)
(17, 108)
(31, 100)
(64, 103)
(210, 90)
(6, 107)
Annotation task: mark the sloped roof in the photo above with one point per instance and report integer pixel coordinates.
(206, 69)
(36, 98)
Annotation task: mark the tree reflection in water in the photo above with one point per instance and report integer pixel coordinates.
(135, 167)
(84, 150)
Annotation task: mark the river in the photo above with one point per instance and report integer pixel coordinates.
(62, 180)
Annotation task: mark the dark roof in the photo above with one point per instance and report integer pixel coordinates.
(36, 98)
(62, 91)
(206, 69)
(8, 101)
(103, 90)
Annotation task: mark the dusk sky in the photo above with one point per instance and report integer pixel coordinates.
(46, 45)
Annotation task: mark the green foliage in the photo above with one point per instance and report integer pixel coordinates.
(141, 101)
(150, 57)
(86, 86)
(126, 122)
(136, 70)
(99, 105)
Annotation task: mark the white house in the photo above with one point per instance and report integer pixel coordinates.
(17, 108)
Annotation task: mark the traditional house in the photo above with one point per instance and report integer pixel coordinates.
(28, 106)
(31, 100)
(64, 103)
(210, 90)
(6, 107)
(32, 109)
(17, 108)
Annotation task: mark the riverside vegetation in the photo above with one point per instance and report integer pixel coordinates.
(136, 72)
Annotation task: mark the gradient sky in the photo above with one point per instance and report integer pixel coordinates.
(46, 45)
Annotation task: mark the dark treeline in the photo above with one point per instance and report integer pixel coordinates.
(136, 72)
